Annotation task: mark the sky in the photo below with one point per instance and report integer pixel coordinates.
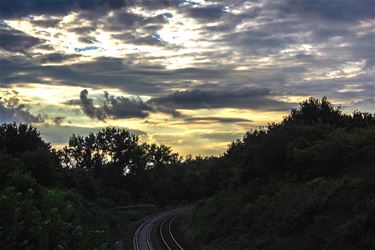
(191, 74)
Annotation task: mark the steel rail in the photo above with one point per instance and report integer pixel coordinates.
(170, 231)
(149, 238)
(136, 234)
(164, 218)
(162, 235)
(170, 218)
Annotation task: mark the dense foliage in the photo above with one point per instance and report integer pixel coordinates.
(304, 183)
(77, 198)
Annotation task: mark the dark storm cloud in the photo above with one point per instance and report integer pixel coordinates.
(260, 42)
(363, 48)
(83, 32)
(46, 23)
(22, 8)
(118, 107)
(46, 47)
(125, 20)
(121, 107)
(264, 37)
(274, 30)
(360, 87)
(14, 40)
(206, 13)
(12, 111)
(325, 32)
(87, 105)
(138, 79)
(333, 10)
(104, 72)
(256, 98)
(136, 29)
(227, 21)
(289, 23)
(56, 58)
(155, 80)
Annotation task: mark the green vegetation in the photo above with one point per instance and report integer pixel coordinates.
(83, 196)
(304, 183)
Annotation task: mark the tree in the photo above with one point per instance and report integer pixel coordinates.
(16, 139)
(315, 110)
(108, 155)
(25, 143)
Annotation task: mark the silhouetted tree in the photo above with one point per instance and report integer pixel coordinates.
(303, 183)
(25, 143)
(315, 110)
(16, 139)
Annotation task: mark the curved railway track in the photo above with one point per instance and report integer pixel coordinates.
(142, 237)
(166, 234)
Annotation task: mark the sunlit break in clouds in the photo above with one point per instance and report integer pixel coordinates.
(194, 75)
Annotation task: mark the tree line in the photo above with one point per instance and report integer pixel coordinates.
(303, 183)
(70, 198)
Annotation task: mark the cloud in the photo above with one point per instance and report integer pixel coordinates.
(279, 46)
(122, 107)
(58, 120)
(205, 120)
(14, 40)
(125, 20)
(206, 13)
(186, 55)
(21, 8)
(254, 98)
(260, 42)
(130, 37)
(118, 107)
(58, 135)
(47, 23)
(370, 100)
(333, 10)
(87, 106)
(141, 78)
(12, 111)
(222, 136)
(57, 57)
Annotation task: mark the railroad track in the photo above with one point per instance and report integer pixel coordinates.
(142, 236)
(166, 234)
